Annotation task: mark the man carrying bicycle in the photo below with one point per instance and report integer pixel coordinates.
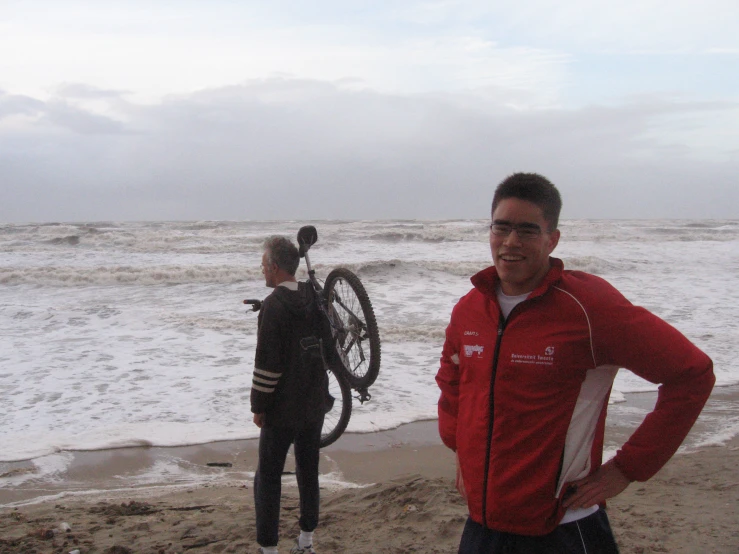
(289, 394)
(526, 371)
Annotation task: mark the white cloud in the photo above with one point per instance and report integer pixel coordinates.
(155, 48)
(180, 56)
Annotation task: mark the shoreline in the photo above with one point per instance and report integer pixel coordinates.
(385, 492)
(689, 506)
(351, 461)
(344, 464)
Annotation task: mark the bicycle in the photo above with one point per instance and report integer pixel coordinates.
(345, 303)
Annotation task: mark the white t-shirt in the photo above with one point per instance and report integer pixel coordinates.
(507, 303)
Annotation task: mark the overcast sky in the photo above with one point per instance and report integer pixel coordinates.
(341, 109)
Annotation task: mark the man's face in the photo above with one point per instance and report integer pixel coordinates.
(521, 263)
(269, 269)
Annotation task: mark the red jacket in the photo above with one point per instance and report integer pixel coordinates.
(523, 401)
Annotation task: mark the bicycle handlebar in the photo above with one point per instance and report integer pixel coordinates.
(256, 305)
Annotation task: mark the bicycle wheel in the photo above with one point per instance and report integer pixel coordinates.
(354, 327)
(337, 418)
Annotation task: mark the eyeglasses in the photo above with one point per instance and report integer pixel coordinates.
(525, 231)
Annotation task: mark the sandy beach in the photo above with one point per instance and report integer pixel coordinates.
(381, 492)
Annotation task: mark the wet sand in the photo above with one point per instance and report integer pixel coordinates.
(381, 492)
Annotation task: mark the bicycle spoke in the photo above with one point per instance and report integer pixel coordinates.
(353, 322)
(361, 323)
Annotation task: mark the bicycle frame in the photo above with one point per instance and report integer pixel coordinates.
(307, 237)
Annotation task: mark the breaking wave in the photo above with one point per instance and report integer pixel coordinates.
(597, 266)
(224, 274)
(126, 275)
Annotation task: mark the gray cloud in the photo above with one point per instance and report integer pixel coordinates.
(80, 121)
(14, 104)
(301, 149)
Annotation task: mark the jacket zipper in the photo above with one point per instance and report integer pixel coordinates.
(491, 402)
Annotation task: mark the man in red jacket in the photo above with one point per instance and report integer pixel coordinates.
(529, 360)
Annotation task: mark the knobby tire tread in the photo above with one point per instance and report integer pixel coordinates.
(373, 364)
(330, 435)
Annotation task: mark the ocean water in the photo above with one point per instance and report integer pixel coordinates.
(122, 334)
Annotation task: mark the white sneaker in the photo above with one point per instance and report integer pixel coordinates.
(304, 550)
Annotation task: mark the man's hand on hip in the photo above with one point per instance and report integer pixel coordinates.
(259, 420)
(606, 482)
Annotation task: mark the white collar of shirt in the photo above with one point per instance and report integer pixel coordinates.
(507, 303)
(292, 285)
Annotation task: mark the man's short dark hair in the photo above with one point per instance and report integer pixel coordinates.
(533, 188)
(281, 251)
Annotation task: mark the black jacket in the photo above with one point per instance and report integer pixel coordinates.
(293, 339)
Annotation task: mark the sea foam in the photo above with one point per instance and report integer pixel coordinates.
(115, 334)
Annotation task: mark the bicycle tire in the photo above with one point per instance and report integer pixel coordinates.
(351, 311)
(337, 418)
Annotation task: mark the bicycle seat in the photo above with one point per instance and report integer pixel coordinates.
(307, 237)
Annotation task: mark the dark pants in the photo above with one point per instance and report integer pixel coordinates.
(274, 442)
(589, 535)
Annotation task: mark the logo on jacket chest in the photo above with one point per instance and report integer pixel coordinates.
(546, 357)
(473, 350)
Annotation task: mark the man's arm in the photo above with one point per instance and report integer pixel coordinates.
(448, 380)
(268, 360)
(631, 337)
